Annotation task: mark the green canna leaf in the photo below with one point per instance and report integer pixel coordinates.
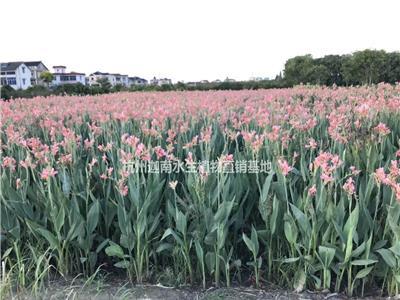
(364, 273)
(93, 217)
(363, 262)
(114, 250)
(327, 254)
(249, 243)
(388, 257)
(51, 238)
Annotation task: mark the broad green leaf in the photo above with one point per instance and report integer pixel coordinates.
(123, 264)
(364, 272)
(363, 262)
(51, 238)
(388, 257)
(254, 240)
(115, 250)
(327, 254)
(249, 243)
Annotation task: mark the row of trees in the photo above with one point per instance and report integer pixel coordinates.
(361, 67)
(104, 87)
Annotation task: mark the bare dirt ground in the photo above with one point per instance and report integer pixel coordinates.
(108, 290)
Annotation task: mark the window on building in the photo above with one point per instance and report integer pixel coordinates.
(23, 69)
(12, 81)
(23, 81)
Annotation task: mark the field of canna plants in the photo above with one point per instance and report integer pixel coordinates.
(294, 187)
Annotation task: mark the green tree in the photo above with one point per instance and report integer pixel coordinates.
(334, 66)
(365, 67)
(299, 69)
(319, 74)
(392, 67)
(47, 77)
(104, 84)
(6, 92)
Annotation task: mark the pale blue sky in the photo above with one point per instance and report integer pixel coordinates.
(191, 40)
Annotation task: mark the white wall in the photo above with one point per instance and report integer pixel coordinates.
(78, 79)
(36, 71)
(59, 70)
(22, 77)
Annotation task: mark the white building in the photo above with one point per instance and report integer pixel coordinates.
(63, 77)
(36, 68)
(136, 81)
(160, 81)
(94, 77)
(121, 79)
(258, 78)
(113, 78)
(15, 74)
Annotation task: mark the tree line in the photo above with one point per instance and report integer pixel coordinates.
(359, 68)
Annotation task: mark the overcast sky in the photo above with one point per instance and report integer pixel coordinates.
(191, 40)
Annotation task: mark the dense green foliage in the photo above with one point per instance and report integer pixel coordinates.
(362, 67)
(68, 207)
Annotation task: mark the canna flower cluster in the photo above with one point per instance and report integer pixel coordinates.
(391, 179)
(328, 163)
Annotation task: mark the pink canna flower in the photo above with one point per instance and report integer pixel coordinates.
(189, 159)
(171, 136)
(66, 159)
(363, 110)
(160, 152)
(248, 136)
(349, 187)
(205, 135)
(327, 178)
(92, 163)
(381, 177)
(146, 156)
(124, 173)
(27, 163)
(95, 130)
(88, 144)
(47, 173)
(139, 150)
(203, 173)
(312, 191)
(54, 149)
(18, 183)
(312, 144)
(354, 171)
(284, 167)
(9, 162)
(122, 187)
(274, 135)
(132, 141)
(382, 129)
(394, 169)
